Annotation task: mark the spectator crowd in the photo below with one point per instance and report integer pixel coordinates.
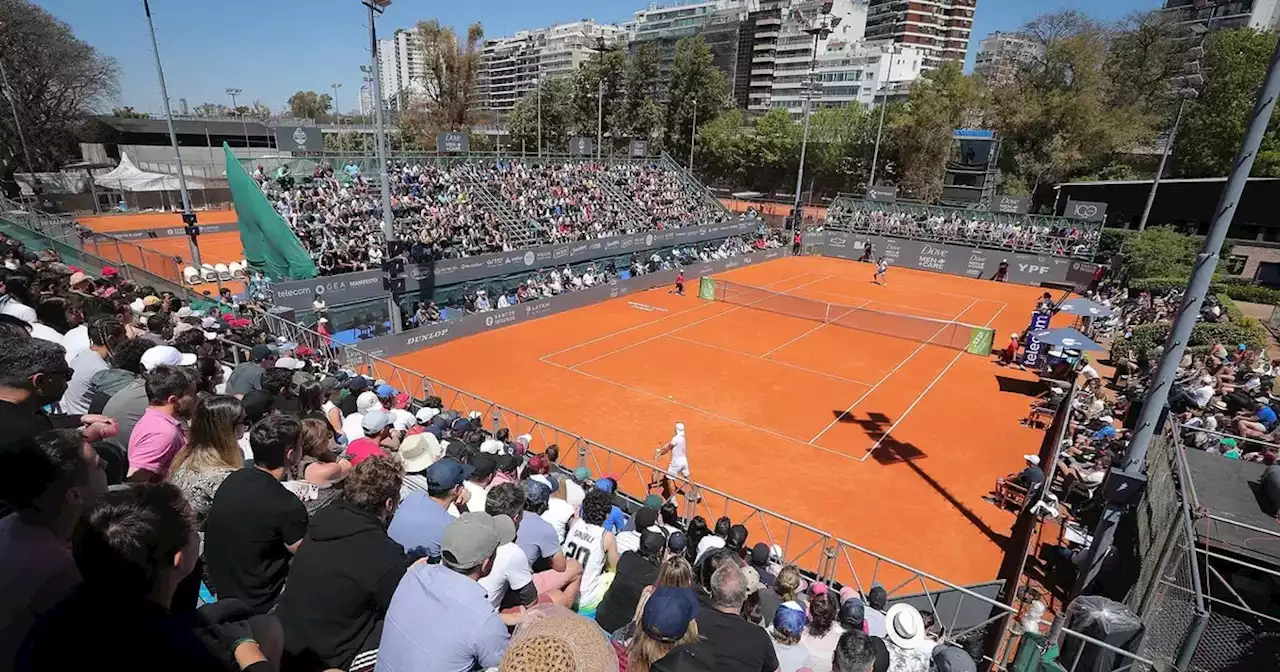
(464, 208)
(1060, 239)
(163, 510)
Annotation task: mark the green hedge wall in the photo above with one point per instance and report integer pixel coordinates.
(1238, 328)
(1235, 288)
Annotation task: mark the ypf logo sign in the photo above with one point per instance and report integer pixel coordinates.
(1089, 211)
(300, 138)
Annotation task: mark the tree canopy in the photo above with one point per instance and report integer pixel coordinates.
(310, 105)
(54, 81)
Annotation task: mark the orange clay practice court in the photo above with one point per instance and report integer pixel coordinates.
(156, 254)
(886, 442)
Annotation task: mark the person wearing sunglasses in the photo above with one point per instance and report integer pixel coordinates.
(33, 377)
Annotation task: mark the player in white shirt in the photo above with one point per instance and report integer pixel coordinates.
(678, 468)
(882, 269)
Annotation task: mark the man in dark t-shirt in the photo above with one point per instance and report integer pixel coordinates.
(734, 643)
(254, 524)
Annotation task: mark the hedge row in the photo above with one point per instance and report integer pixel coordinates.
(1235, 288)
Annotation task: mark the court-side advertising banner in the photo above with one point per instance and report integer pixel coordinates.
(435, 334)
(352, 287)
(1026, 269)
(170, 232)
(1033, 355)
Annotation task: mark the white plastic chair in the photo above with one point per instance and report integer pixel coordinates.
(224, 273)
(208, 273)
(237, 270)
(190, 275)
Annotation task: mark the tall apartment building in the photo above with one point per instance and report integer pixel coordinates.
(716, 21)
(366, 97)
(403, 64)
(999, 55)
(1256, 14)
(511, 66)
(939, 28)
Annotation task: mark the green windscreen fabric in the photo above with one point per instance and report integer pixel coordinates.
(269, 245)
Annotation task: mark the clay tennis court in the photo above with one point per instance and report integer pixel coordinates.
(156, 254)
(883, 441)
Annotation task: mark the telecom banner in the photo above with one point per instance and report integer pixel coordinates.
(1033, 355)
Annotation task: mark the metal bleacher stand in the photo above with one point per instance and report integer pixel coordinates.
(965, 614)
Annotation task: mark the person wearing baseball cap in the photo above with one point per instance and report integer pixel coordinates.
(789, 622)
(637, 570)
(420, 521)
(464, 631)
(483, 467)
(377, 439)
(666, 622)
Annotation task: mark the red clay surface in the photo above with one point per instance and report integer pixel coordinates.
(156, 254)
(781, 411)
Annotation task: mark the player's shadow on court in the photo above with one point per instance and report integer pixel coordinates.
(891, 451)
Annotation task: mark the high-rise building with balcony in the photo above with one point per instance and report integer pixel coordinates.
(999, 55)
(939, 28)
(1256, 14)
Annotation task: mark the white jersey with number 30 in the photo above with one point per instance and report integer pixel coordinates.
(585, 543)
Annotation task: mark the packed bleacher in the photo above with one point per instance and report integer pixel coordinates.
(1059, 237)
(164, 510)
(505, 292)
(1223, 401)
(465, 208)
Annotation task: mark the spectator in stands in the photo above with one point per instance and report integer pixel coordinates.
(28, 315)
(909, 645)
(821, 633)
(377, 439)
(856, 652)
(637, 570)
(875, 613)
(352, 423)
(788, 627)
(667, 622)
(128, 405)
(211, 453)
(645, 518)
(1031, 476)
(105, 335)
(341, 580)
(420, 522)
(255, 525)
(133, 550)
(50, 481)
(759, 558)
(482, 468)
(319, 469)
(247, 376)
(161, 432)
(511, 577)
(33, 374)
(785, 589)
(593, 547)
(750, 611)
(276, 388)
(126, 367)
(559, 513)
(465, 631)
(732, 642)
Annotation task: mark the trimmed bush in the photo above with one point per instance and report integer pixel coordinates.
(1250, 293)
(1238, 328)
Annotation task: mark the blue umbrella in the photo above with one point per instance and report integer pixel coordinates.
(1085, 307)
(1066, 338)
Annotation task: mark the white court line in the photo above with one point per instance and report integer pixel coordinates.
(820, 325)
(881, 303)
(680, 328)
(888, 375)
(929, 291)
(920, 398)
(771, 361)
(701, 304)
(704, 411)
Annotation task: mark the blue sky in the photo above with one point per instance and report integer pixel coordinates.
(272, 48)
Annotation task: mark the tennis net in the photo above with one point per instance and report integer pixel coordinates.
(946, 333)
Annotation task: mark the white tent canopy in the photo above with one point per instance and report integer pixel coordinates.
(128, 177)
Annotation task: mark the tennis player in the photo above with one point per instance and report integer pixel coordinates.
(679, 288)
(882, 269)
(678, 468)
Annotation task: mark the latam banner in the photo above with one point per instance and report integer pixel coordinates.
(1033, 355)
(171, 232)
(443, 332)
(1026, 269)
(353, 287)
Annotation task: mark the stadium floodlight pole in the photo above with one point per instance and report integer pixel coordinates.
(376, 7)
(188, 215)
(599, 118)
(819, 28)
(335, 88)
(235, 110)
(1206, 262)
(884, 107)
(1184, 94)
(693, 134)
